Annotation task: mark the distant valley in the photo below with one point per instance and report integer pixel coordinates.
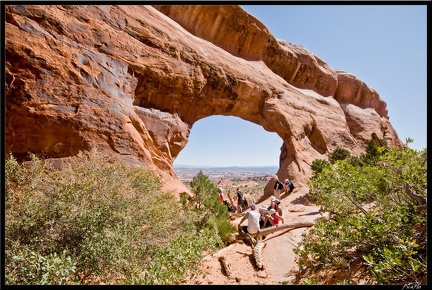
(187, 172)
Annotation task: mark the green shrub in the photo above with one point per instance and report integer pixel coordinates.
(374, 220)
(338, 154)
(94, 221)
(318, 165)
(208, 210)
(373, 152)
(31, 267)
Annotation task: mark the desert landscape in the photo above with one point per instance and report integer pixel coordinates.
(131, 81)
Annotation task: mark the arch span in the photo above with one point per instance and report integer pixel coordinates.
(140, 79)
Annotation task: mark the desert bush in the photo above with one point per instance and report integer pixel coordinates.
(373, 152)
(373, 219)
(318, 165)
(31, 267)
(338, 154)
(207, 209)
(94, 221)
(170, 265)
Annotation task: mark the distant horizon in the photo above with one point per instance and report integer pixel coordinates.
(216, 166)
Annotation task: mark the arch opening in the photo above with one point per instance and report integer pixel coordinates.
(224, 141)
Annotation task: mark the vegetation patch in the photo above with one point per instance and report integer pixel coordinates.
(97, 222)
(377, 223)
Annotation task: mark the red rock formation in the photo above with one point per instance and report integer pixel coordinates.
(132, 80)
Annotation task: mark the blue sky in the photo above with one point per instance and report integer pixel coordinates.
(383, 45)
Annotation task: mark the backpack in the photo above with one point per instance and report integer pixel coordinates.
(291, 186)
(279, 185)
(245, 203)
(240, 195)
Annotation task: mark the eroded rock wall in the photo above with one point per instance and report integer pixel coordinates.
(132, 80)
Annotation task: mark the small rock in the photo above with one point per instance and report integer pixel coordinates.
(262, 274)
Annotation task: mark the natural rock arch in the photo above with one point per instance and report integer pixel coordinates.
(133, 81)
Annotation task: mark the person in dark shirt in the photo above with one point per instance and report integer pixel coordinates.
(240, 200)
(278, 187)
(288, 186)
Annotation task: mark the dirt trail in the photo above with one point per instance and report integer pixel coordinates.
(278, 255)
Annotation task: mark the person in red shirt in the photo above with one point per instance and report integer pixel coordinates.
(276, 205)
(272, 218)
(221, 196)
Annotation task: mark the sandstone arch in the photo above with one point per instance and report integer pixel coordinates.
(132, 80)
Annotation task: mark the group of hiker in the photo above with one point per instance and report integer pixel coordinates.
(279, 187)
(242, 203)
(287, 187)
(267, 215)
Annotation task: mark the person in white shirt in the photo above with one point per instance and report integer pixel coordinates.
(253, 218)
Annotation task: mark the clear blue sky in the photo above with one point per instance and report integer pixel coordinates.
(383, 45)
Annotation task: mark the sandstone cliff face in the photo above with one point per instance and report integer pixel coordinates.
(132, 80)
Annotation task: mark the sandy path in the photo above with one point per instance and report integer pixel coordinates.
(278, 255)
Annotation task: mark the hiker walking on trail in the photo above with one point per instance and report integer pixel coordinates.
(278, 187)
(253, 218)
(240, 200)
